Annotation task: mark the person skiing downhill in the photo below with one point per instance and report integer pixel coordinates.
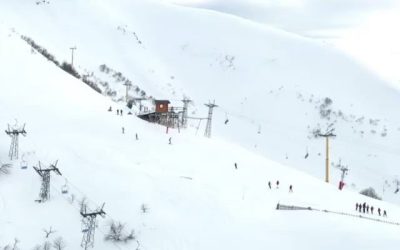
(269, 184)
(277, 184)
(236, 166)
(356, 206)
(290, 188)
(379, 211)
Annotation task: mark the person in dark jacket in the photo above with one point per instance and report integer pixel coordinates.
(277, 184)
(356, 206)
(364, 207)
(269, 184)
(372, 210)
(290, 189)
(379, 211)
(384, 213)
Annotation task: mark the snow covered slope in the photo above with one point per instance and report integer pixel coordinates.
(195, 197)
(269, 84)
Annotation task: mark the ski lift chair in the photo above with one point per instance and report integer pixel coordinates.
(64, 188)
(24, 164)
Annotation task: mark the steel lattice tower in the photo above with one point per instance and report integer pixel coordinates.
(185, 112)
(210, 106)
(89, 224)
(45, 174)
(14, 134)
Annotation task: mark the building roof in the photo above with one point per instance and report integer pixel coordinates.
(162, 101)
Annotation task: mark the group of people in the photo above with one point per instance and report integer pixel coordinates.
(119, 111)
(366, 209)
(277, 186)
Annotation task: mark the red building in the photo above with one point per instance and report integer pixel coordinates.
(161, 106)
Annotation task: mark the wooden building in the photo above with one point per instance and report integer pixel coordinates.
(163, 114)
(161, 106)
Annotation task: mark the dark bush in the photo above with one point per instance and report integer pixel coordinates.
(370, 192)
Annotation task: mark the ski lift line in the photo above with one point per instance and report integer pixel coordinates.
(250, 120)
(386, 149)
(78, 210)
(255, 121)
(85, 196)
(196, 118)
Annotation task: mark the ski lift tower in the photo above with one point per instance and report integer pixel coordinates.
(128, 85)
(89, 225)
(327, 135)
(210, 106)
(44, 173)
(14, 134)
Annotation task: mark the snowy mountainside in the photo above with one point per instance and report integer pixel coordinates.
(277, 82)
(272, 86)
(195, 197)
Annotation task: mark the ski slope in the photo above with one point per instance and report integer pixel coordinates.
(268, 83)
(196, 199)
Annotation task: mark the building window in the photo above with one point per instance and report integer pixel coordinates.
(161, 106)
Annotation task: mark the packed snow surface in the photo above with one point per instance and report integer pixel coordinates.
(270, 85)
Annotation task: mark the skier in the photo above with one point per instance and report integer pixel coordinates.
(367, 209)
(236, 165)
(290, 188)
(379, 211)
(372, 210)
(277, 184)
(364, 207)
(120, 112)
(137, 137)
(269, 184)
(359, 207)
(110, 109)
(356, 206)
(123, 130)
(170, 140)
(117, 111)
(384, 213)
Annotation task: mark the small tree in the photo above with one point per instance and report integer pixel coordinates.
(5, 168)
(59, 244)
(70, 69)
(46, 246)
(116, 233)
